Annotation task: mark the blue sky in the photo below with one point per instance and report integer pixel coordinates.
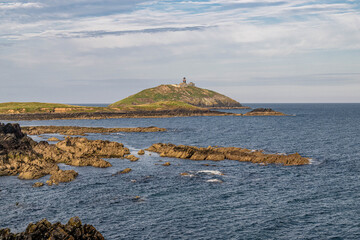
(92, 51)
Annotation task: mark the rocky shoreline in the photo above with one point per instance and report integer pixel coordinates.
(22, 156)
(223, 153)
(44, 230)
(139, 114)
(228, 108)
(73, 130)
(105, 115)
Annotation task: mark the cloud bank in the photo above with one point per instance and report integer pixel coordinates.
(239, 47)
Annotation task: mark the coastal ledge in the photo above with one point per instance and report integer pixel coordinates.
(222, 153)
(105, 115)
(73, 130)
(44, 230)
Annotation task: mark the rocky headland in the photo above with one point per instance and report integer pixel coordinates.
(81, 131)
(22, 156)
(222, 153)
(264, 112)
(44, 230)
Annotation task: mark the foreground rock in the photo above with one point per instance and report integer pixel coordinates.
(73, 130)
(20, 155)
(44, 230)
(264, 112)
(222, 153)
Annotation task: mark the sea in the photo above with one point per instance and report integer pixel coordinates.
(249, 201)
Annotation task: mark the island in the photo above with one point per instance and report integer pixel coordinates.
(167, 100)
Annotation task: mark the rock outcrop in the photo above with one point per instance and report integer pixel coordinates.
(222, 153)
(44, 230)
(264, 112)
(20, 155)
(61, 176)
(81, 131)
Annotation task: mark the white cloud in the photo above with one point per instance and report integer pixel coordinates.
(17, 5)
(237, 45)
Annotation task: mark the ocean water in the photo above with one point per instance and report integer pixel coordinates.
(317, 201)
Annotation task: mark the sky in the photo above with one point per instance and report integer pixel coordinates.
(254, 51)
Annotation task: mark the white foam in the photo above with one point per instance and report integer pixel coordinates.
(214, 180)
(211, 172)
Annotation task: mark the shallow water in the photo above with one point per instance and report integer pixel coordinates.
(318, 201)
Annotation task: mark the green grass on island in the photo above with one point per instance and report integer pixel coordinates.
(191, 95)
(157, 94)
(38, 107)
(163, 105)
(163, 97)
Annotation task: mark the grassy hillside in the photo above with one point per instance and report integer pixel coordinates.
(167, 93)
(163, 105)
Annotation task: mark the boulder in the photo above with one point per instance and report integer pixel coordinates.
(132, 158)
(38, 184)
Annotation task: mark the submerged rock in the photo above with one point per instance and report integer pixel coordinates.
(264, 112)
(222, 153)
(141, 152)
(166, 164)
(44, 230)
(126, 170)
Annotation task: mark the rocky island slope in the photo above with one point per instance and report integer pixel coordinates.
(186, 93)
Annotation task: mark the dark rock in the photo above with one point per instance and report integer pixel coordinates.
(44, 230)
